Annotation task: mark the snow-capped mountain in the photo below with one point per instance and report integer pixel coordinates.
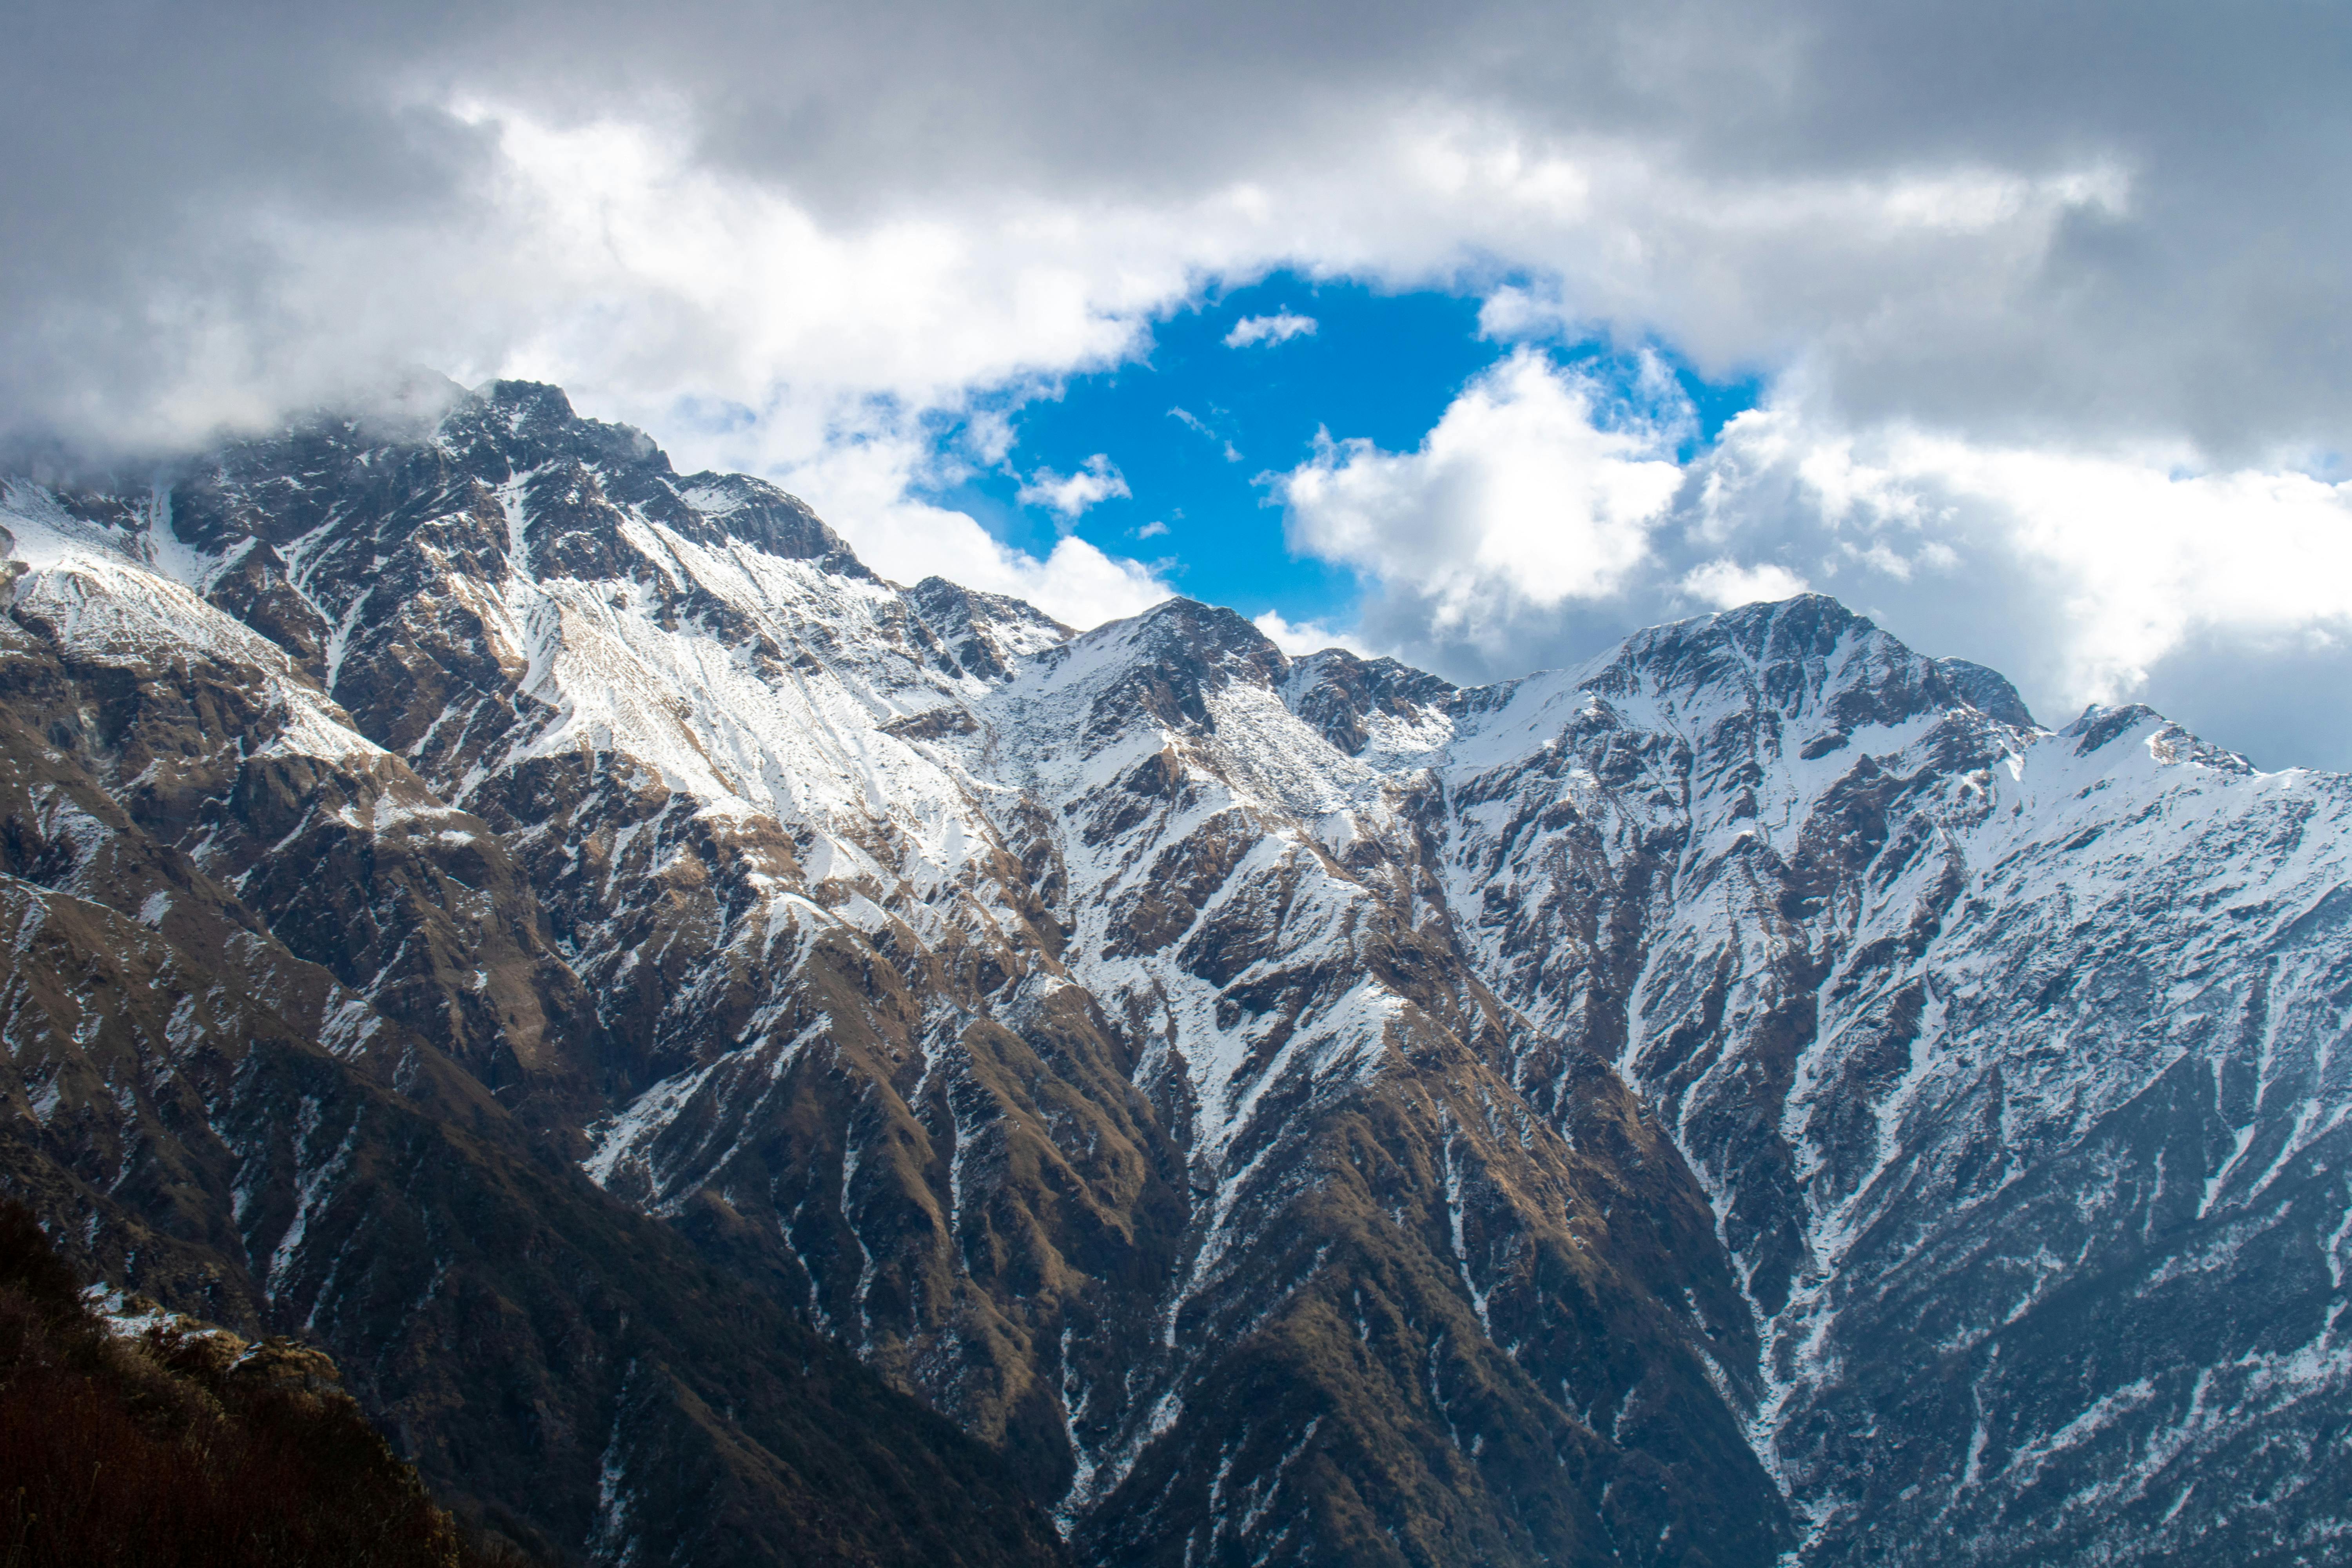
(1758, 1093)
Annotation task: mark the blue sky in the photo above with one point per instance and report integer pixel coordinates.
(1198, 428)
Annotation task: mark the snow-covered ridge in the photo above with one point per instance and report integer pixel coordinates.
(1947, 958)
(1958, 1021)
(113, 595)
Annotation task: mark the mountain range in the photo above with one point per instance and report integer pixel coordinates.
(743, 1061)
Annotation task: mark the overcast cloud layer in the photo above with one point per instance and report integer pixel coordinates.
(2053, 304)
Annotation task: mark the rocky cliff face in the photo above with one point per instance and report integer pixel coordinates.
(1759, 1092)
(2009, 1059)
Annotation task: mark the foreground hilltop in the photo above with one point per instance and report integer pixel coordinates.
(1758, 1091)
(133, 1437)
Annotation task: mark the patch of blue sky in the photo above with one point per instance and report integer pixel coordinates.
(1203, 424)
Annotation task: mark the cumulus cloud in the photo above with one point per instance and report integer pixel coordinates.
(1516, 498)
(1298, 638)
(2085, 574)
(1277, 328)
(1095, 481)
(1725, 585)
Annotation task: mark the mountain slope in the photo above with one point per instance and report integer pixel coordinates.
(2009, 1059)
(751, 801)
(1709, 1103)
(212, 1116)
(135, 1437)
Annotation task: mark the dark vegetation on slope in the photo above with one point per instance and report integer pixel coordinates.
(185, 1448)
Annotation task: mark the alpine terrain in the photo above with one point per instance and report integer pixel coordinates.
(741, 1061)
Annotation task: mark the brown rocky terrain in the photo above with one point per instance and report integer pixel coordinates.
(206, 1110)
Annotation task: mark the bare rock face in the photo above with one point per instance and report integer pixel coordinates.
(1353, 700)
(987, 633)
(1756, 1094)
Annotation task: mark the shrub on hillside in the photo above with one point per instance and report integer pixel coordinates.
(182, 1447)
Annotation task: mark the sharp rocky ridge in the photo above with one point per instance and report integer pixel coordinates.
(741, 1060)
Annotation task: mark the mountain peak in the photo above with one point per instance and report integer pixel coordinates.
(1803, 624)
(989, 634)
(1210, 635)
(1792, 655)
(1808, 654)
(1988, 691)
(523, 400)
(529, 424)
(1345, 697)
(2099, 727)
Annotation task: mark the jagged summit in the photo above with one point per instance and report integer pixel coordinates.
(528, 424)
(1346, 698)
(1988, 692)
(582, 476)
(1187, 631)
(989, 634)
(1808, 658)
(2099, 727)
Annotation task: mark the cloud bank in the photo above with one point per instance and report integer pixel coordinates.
(2053, 321)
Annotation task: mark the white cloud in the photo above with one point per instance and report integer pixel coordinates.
(1151, 530)
(1200, 427)
(787, 210)
(1277, 328)
(1298, 637)
(1726, 585)
(1515, 499)
(2139, 556)
(1069, 494)
(658, 274)
(863, 488)
(616, 256)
